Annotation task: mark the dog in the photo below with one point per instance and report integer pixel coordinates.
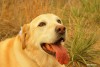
(39, 44)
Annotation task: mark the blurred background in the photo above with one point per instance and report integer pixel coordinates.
(81, 17)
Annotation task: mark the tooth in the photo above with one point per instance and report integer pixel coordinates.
(62, 42)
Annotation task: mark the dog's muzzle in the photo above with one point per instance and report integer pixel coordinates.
(56, 48)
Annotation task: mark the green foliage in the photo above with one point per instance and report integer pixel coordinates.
(84, 22)
(80, 46)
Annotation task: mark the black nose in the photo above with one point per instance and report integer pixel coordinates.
(60, 29)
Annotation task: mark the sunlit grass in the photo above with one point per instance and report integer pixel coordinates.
(80, 46)
(83, 27)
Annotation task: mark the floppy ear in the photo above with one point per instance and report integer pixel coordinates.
(24, 34)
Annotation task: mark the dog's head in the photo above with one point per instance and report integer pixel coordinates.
(47, 33)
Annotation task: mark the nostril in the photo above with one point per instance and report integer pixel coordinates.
(64, 29)
(59, 29)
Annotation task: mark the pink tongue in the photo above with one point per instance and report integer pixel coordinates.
(61, 54)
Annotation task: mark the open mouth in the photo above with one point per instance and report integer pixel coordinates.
(47, 47)
(57, 50)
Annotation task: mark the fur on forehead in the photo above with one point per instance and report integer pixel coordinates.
(42, 17)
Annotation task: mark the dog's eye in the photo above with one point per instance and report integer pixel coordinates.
(59, 21)
(42, 24)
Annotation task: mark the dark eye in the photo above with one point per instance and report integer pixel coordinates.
(59, 21)
(42, 24)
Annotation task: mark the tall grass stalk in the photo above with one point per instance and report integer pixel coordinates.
(80, 46)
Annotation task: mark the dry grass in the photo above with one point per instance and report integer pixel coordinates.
(15, 13)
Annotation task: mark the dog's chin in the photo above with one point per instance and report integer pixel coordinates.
(47, 47)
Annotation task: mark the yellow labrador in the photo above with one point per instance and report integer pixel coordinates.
(39, 44)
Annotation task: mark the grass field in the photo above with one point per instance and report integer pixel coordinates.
(81, 17)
